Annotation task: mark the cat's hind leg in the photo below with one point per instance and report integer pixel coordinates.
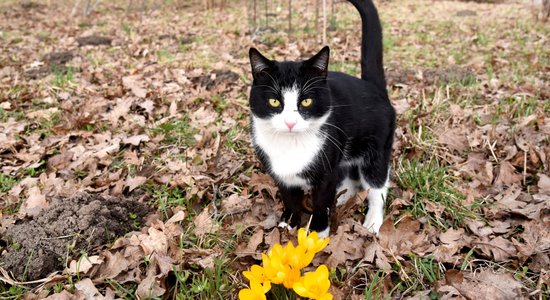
(350, 184)
(377, 184)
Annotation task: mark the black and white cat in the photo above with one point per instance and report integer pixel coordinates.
(325, 132)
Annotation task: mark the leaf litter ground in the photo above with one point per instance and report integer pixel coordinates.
(152, 106)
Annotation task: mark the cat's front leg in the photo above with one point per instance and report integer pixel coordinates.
(323, 199)
(292, 200)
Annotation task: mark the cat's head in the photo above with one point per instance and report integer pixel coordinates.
(290, 97)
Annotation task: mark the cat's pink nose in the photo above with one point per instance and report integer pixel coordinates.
(290, 124)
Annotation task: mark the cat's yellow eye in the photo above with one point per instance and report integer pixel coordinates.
(306, 102)
(274, 102)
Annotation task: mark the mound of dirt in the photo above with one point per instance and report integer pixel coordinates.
(93, 40)
(215, 78)
(68, 228)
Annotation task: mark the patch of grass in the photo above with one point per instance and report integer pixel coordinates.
(165, 198)
(129, 30)
(36, 169)
(519, 106)
(15, 92)
(62, 77)
(233, 141)
(96, 59)
(419, 273)
(481, 39)
(426, 268)
(165, 56)
(125, 291)
(374, 288)
(44, 126)
(220, 104)
(11, 291)
(199, 283)
(177, 132)
(6, 182)
(434, 195)
(6, 115)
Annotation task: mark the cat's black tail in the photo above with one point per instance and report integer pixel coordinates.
(372, 68)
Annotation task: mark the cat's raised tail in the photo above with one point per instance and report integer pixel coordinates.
(372, 68)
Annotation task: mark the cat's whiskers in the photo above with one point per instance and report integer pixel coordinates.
(275, 83)
(313, 88)
(339, 106)
(342, 131)
(310, 83)
(333, 140)
(310, 131)
(267, 86)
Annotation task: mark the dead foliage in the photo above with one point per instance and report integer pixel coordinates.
(153, 106)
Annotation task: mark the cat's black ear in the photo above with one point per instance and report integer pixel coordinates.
(320, 61)
(258, 62)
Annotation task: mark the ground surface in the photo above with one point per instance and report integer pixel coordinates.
(151, 106)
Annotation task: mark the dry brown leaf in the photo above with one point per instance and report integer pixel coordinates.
(262, 182)
(507, 174)
(65, 295)
(114, 265)
(121, 109)
(150, 287)
(235, 204)
(374, 253)
(487, 285)
(202, 118)
(544, 183)
(344, 246)
(403, 239)
(250, 249)
(134, 182)
(499, 248)
(165, 264)
(88, 289)
(204, 223)
(35, 202)
(154, 242)
(177, 217)
(84, 264)
(273, 237)
(135, 84)
(135, 139)
(455, 139)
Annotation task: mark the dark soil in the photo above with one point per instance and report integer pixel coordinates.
(93, 40)
(58, 58)
(466, 13)
(65, 230)
(215, 78)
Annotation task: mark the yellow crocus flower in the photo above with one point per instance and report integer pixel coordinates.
(256, 273)
(255, 292)
(298, 257)
(274, 268)
(314, 285)
(311, 242)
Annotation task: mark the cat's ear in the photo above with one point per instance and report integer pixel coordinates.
(258, 62)
(320, 61)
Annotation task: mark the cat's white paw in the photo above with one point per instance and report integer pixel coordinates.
(324, 234)
(373, 221)
(284, 225)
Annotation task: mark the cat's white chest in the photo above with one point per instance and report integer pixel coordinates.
(288, 154)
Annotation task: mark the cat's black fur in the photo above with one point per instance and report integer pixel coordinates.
(360, 127)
